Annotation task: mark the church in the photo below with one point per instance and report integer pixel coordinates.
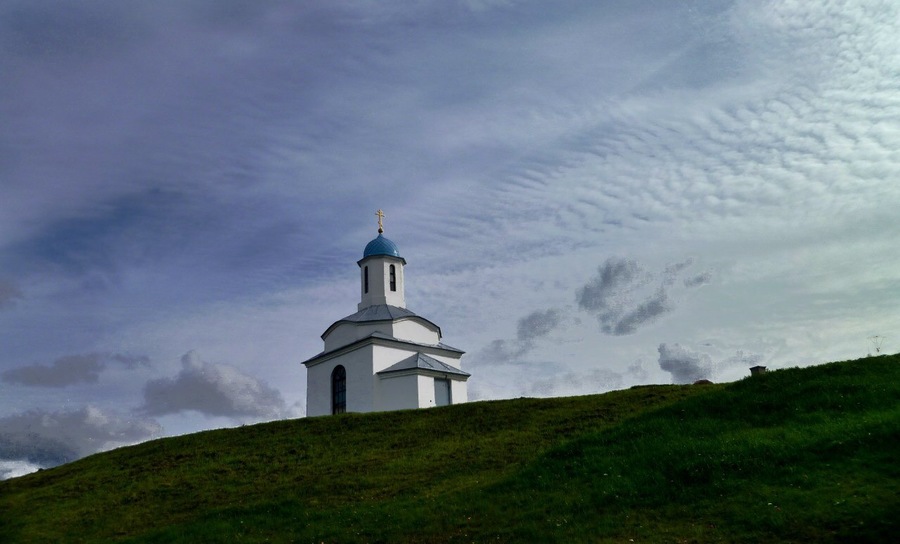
(383, 357)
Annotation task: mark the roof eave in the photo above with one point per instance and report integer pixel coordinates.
(391, 257)
(458, 376)
(384, 340)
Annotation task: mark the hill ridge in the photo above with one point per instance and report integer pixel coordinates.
(791, 455)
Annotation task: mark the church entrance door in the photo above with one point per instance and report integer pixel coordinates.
(441, 392)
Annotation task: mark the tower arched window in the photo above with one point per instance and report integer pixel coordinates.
(338, 390)
(393, 278)
(366, 279)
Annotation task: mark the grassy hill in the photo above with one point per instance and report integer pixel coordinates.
(794, 455)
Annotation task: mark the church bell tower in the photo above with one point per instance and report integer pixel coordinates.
(381, 272)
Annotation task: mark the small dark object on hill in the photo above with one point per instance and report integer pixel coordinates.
(703, 382)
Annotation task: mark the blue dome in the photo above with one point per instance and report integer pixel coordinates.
(381, 246)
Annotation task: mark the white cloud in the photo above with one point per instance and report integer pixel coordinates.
(47, 439)
(684, 365)
(212, 389)
(14, 469)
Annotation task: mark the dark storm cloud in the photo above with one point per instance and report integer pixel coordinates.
(644, 312)
(69, 370)
(9, 292)
(613, 278)
(684, 365)
(51, 438)
(129, 361)
(537, 324)
(700, 279)
(670, 274)
(616, 295)
(212, 389)
(497, 352)
(533, 326)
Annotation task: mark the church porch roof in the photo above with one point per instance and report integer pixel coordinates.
(420, 361)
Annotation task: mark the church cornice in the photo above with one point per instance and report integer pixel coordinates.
(381, 313)
(423, 372)
(385, 257)
(381, 339)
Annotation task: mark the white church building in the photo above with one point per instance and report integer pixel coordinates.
(383, 357)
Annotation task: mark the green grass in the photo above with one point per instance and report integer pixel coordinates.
(794, 455)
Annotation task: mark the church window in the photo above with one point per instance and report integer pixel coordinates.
(393, 278)
(338, 390)
(366, 279)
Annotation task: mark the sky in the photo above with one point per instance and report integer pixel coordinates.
(589, 196)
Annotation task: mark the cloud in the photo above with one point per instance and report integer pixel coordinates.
(16, 468)
(9, 292)
(214, 390)
(497, 352)
(742, 359)
(684, 365)
(646, 311)
(537, 324)
(670, 274)
(617, 295)
(637, 371)
(613, 278)
(68, 370)
(538, 378)
(48, 439)
(700, 279)
(570, 383)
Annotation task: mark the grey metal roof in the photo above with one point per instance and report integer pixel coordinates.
(439, 345)
(379, 312)
(420, 361)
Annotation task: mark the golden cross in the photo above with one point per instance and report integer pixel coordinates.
(380, 215)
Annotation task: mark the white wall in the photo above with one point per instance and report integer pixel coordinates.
(360, 394)
(347, 333)
(367, 392)
(397, 392)
(459, 392)
(405, 329)
(414, 331)
(379, 282)
(426, 391)
(384, 356)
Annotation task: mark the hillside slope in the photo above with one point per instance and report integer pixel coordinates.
(794, 455)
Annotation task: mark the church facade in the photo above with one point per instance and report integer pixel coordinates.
(384, 356)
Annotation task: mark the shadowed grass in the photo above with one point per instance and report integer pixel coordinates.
(794, 455)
